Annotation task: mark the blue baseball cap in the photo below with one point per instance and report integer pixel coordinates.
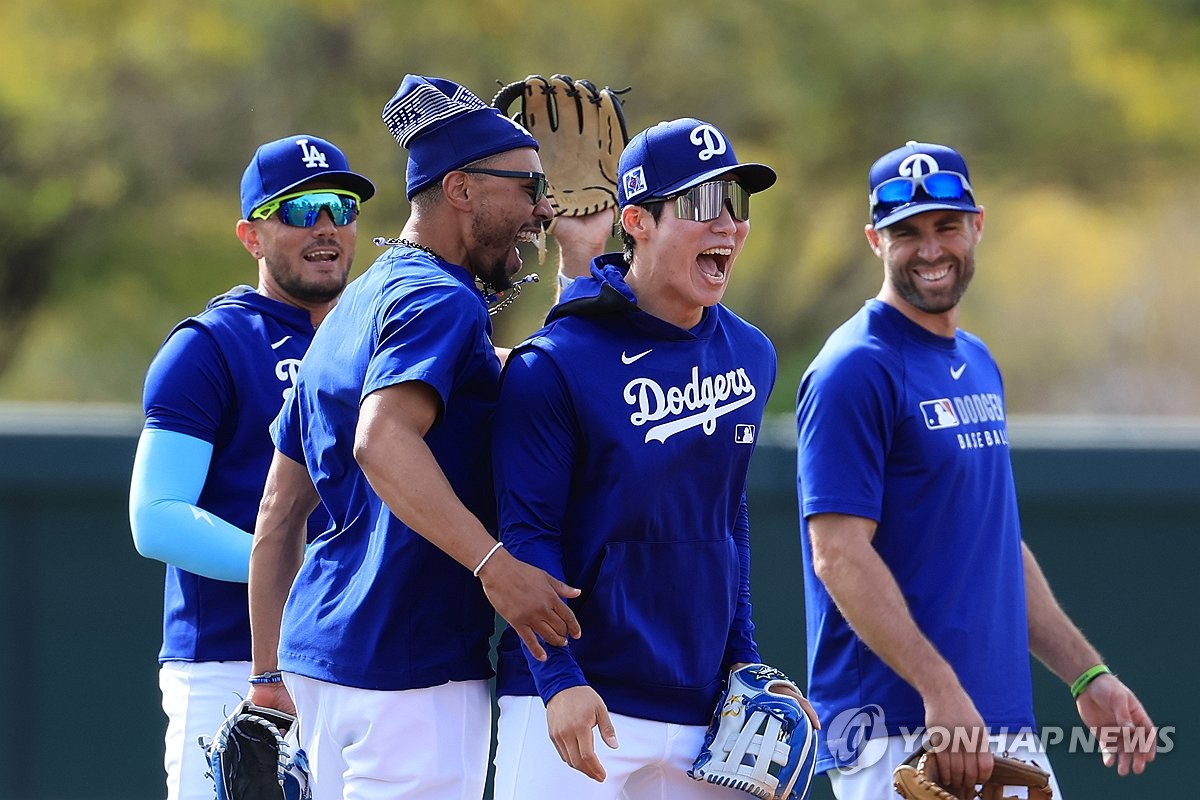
(284, 165)
(444, 127)
(674, 156)
(916, 178)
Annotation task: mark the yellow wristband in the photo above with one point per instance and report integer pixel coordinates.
(1087, 677)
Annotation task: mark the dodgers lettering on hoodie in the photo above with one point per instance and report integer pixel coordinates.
(622, 448)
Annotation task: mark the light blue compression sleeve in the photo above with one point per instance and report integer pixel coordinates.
(168, 475)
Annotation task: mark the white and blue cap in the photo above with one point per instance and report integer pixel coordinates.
(285, 165)
(916, 178)
(445, 127)
(672, 157)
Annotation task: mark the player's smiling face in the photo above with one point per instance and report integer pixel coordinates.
(305, 265)
(506, 214)
(929, 259)
(682, 267)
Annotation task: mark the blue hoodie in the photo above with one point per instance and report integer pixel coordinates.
(621, 449)
(221, 377)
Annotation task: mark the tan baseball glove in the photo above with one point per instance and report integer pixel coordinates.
(580, 131)
(917, 779)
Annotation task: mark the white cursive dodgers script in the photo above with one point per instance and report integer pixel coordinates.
(709, 398)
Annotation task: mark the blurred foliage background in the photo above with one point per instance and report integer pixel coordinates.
(125, 126)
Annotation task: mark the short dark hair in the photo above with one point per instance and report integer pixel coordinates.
(655, 207)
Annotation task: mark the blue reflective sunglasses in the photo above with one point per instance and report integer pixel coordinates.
(301, 209)
(940, 185)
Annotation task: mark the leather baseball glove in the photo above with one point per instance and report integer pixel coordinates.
(760, 740)
(917, 779)
(581, 133)
(253, 756)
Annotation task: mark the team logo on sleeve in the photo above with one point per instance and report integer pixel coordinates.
(939, 414)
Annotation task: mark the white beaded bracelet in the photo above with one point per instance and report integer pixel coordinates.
(490, 553)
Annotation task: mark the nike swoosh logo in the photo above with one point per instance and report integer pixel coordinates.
(279, 344)
(630, 359)
(957, 373)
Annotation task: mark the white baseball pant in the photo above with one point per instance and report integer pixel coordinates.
(419, 744)
(651, 762)
(197, 697)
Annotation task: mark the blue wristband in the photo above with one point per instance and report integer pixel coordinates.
(267, 677)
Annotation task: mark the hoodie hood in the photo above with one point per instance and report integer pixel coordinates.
(605, 293)
(246, 297)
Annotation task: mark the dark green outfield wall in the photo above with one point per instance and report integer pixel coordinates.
(1110, 507)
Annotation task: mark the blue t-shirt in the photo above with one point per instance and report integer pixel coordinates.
(907, 428)
(221, 377)
(376, 605)
(622, 446)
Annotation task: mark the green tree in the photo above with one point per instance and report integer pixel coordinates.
(125, 125)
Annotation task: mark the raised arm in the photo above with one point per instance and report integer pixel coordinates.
(580, 239)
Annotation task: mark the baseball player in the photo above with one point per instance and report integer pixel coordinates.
(922, 601)
(210, 395)
(622, 439)
(384, 641)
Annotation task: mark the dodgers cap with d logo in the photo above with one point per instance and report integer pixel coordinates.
(915, 162)
(284, 165)
(674, 156)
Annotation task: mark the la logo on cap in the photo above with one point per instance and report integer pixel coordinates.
(312, 158)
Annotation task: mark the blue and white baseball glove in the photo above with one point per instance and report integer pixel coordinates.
(760, 739)
(253, 756)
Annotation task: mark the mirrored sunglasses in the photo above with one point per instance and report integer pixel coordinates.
(937, 185)
(301, 209)
(704, 203)
(540, 184)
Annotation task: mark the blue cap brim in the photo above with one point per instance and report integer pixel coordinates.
(751, 176)
(920, 207)
(351, 181)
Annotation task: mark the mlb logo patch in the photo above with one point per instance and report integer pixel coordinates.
(635, 182)
(939, 414)
(743, 434)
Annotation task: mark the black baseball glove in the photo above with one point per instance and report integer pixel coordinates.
(250, 759)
